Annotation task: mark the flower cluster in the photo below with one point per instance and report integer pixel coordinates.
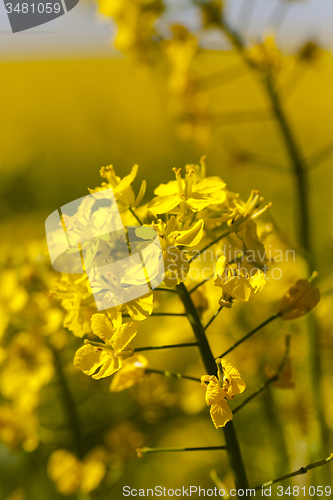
(189, 215)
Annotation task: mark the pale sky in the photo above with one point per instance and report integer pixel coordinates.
(82, 33)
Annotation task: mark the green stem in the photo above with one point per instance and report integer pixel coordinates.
(222, 77)
(201, 283)
(134, 214)
(213, 317)
(273, 378)
(69, 405)
(298, 472)
(159, 314)
(300, 172)
(170, 346)
(232, 446)
(236, 117)
(299, 167)
(102, 345)
(272, 318)
(169, 374)
(210, 244)
(142, 451)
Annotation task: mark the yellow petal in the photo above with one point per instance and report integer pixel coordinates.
(209, 185)
(163, 204)
(258, 281)
(285, 378)
(198, 202)
(127, 180)
(233, 380)
(140, 194)
(299, 300)
(166, 189)
(140, 309)
(115, 317)
(92, 474)
(176, 266)
(65, 470)
(214, 393)
(110, 366)
(132, 372)
(123, 336)
(221, 414)
(190, 237)
(88, 358)
(248, 233)
(220, 267)
(102, 326)
(238, 287)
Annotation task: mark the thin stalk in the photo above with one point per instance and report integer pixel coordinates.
(69, 405)
(298, 472)
(232, 446)
(213, 317)
(300, 172)
(102, 345)
(252, 332)
(168, 314)
(201, 283)
(165, 290)
(300, 169)
(222, 77)
(174, 375)
(237, 117)
(319, 156)
(170, 346)
(159, 314)
(288, 137)
(271, 379)
(134, 214)
(210, 244)
(143, 451)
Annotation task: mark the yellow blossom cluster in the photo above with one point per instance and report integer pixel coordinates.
(29, 321)
(186, 213)
(191, 214)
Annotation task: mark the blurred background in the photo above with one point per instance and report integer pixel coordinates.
(71, 102)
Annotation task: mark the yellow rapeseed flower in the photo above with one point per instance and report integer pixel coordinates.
(132, 372)
(135, 20)
(228, 384)
(122, 188)
(103, 359)
(77, 299)
(71, 474)
(189, 195)
(236, 282)
(299, 300)
(176, 263)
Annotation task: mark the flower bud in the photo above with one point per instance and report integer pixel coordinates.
(299, 300)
